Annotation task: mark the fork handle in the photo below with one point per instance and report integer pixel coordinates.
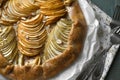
(114, 24)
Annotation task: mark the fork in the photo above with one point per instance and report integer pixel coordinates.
(116, 17)
(99, 57)
(115, 38)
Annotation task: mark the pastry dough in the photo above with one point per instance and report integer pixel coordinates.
(40, 38)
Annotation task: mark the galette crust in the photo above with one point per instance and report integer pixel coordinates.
(55, 65)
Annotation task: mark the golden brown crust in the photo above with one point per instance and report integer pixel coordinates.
(55, 65)
(76, 41)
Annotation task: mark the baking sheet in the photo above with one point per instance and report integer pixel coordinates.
(98, 37)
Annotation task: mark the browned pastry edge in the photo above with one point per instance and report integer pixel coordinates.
(20, 72)
(55, 65)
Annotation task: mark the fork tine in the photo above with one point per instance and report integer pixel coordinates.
(116, 17)
(116, 13)
(119, 13)
(118, 8)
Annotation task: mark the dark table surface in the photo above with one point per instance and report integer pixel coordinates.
(107, 5)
